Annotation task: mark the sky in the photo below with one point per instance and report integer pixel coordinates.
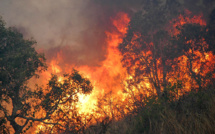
(71, 25)
(74, 27)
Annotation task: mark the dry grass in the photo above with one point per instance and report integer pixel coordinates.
(193, 113)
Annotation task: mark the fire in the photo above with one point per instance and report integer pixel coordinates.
(143, 60)
(185, 19)
(203, 60)
(109, 76)
(113, 93)
(106, 78)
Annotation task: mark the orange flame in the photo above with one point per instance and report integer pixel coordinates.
(106, 78)
(112, 78)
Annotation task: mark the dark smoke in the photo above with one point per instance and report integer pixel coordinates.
(73, 27)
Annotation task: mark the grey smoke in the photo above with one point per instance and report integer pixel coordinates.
(75, 27)
(56, 24)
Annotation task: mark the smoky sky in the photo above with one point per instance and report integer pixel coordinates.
(74, 27)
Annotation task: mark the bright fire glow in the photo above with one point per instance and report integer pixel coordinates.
(111, 78)
(106, 78)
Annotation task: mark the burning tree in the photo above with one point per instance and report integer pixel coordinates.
(19, 104)
(167, 51)
(165, 46)
(62, 96)
(146, 49)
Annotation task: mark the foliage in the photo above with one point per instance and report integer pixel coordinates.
(60, 103)
(19, 61)
(148, 47)
(151, 54)
(192, 113)
(191, 43)
(150, 51)
(210, 36)
(154, 52)
(174, 64)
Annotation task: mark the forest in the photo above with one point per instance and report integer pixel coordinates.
(145, 67)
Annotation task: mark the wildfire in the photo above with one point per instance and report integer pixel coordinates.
(185, 19)
(109, 76)
(106, 78)
(112, 79)
(203, 60)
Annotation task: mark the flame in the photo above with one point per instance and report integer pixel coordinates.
(185, 19)
(201, 66)
(205, 60)
(111, 80)
(105, 78)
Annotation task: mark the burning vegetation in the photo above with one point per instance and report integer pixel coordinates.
(156, 59)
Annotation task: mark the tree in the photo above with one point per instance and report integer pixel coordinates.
(193, 46)
(165, 53)
(147, 47)
(210, 36)
(59, 104)
(19, 61)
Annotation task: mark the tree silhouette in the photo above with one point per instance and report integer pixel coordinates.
(19, 62)
(147, 48)
(153, 53)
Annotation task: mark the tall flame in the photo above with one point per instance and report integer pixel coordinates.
(105, 78)
(112, 78)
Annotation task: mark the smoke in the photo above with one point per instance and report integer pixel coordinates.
(68, 24)
(74, 27)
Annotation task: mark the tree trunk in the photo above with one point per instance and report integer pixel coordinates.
(17, 128)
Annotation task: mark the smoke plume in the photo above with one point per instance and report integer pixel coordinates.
(73, 27)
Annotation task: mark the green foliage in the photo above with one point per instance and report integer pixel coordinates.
(59, 92)
(19, 61)
(60, 102)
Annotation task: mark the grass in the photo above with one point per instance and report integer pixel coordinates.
(193, 113)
